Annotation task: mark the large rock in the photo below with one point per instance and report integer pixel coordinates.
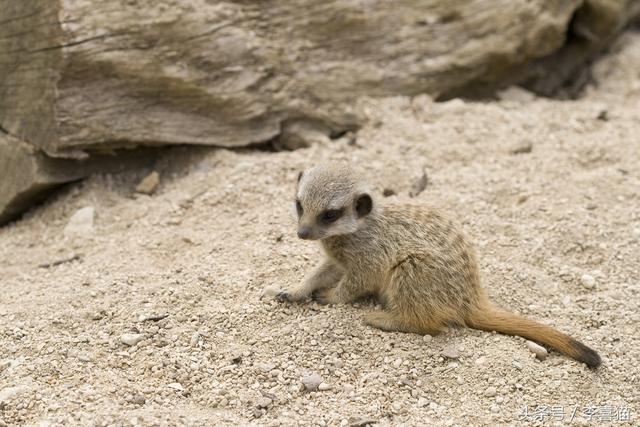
(86, 76)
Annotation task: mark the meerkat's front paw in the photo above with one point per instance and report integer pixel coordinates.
(326, 296)
(283, 295)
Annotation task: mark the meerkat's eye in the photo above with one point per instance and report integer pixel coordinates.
(331, 215)
(299, 207)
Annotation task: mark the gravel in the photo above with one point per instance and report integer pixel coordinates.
(131, 339)
(312, 382)
(540, 352)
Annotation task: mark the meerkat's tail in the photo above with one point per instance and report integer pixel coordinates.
(495, 319)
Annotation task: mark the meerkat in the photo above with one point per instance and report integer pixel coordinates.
(414, 259)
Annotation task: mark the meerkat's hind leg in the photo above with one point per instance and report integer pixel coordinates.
(390, 322)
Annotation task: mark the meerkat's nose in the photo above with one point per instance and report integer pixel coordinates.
(304, 232)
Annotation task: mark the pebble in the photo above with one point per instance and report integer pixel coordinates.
(422, 402)
(81, 222)
(522, 147)
(84, 357)
(311, 381)
(480, 360)
(539, 351)
(490, 392)
(195, 338)
(324, 386)
(419, 185)
(495, 408)
(176, 386)
(427, 338)
(131, 339)
(517, 365)
(149, 183)
(266, 367)
(264, 402)
(11, 392)
(139, 399)
(588, 281)
(360, 422)
(348, 388)
(450, 352)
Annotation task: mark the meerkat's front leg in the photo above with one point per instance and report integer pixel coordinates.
(348, 290)
(326, 275)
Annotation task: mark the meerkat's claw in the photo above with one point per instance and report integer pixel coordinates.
(283, 296)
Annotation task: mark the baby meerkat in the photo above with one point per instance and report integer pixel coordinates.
(414, 259)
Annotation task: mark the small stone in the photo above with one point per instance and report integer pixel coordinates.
(266, 367)
(264, 402)
(603, 115)
(516, 94)
(450, 352)
(324, 386)
(176, 386)
(84, 357)
(419, 185)
(539, 351)
(495, 408)
(361, 422)
(257, 413)
(138, 399)
(388, 192)
(348, 388)
(422, 402)
(490, 392)
(152, 317)
(311, 381)
(517, 365)
(481, 360)
(427, 338)
(11, 392)
(522, 147)
(97, 315)
(195, 339)
(588, 281)
(131, 339)
(149, 184)
(81, 222)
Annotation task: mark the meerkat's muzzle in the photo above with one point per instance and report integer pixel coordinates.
(304, 233)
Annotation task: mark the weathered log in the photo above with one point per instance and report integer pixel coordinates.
(85, 76)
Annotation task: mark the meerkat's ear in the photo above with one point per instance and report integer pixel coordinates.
(364, 204)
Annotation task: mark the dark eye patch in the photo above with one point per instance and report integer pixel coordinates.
(299, 207)
(329, 216)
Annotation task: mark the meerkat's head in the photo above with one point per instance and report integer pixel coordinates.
(330, 201)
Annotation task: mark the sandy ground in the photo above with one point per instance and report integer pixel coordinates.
(220, 229)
